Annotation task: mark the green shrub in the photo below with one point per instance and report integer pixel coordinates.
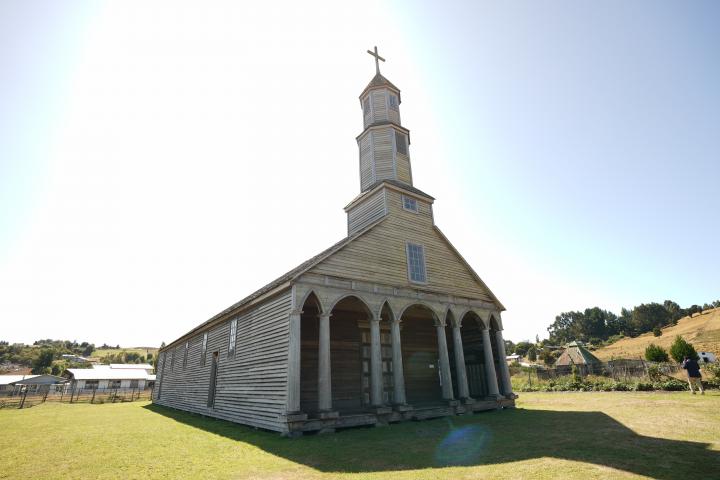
(713, 369)
(644, 387)
(657, 332)
(672, 385)
(655, 353)
(681, 349)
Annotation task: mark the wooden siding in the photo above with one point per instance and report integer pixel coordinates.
(384, 154)
(379, 256)
(367, 169)
(251, 385)
(404, 174)
(371, 210)
(420, 361)
(379, 105)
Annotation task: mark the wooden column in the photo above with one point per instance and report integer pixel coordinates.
(489, 365)
(447, 389)
(293, 371)
(324, 385)
(504, 370)
(376, 375)
(463, 390)
(398, 377)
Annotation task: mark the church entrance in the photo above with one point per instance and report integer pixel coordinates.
(420, 356)
(346, 327)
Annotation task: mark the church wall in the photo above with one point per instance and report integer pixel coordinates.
(371, 210)
(379, 105)
(367, 170)
(251, 386)
(380, 255)
(383, 141)
(403, 168)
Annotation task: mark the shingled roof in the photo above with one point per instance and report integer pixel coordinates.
(576, 354)
(379, 81)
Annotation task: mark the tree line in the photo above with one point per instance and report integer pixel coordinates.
(46, 356)
(595, 325)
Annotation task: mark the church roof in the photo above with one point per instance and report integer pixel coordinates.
(379, 81)
(395, 183)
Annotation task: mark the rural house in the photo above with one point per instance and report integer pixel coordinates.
(115, 375)
(576, 354)
(389, 324)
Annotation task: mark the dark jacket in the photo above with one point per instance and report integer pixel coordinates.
(692, 367)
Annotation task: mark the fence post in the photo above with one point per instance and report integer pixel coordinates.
(72, 394)
(92, 400)
(22, 402)
(46, 394)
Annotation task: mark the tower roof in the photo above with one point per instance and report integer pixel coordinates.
(379, 81)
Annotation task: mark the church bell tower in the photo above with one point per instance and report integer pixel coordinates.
(384, 143)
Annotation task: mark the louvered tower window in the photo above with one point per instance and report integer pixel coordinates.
(416, 263)
(401, 143)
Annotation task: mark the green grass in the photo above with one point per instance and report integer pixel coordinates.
(551, 435)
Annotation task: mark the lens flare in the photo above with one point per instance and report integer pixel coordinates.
(463, 445)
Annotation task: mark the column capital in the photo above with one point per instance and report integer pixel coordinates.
(296, 311)
(325, 315)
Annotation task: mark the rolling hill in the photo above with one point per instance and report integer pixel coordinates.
(702, 330)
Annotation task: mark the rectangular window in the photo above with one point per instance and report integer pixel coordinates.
(233, 336)
(91, 384)
(393, 102)
(213, 380)
(114, 384)
(410, 204)
(134, 383)
(172, 360)
(416, 263)
(204, 349)
(187, 347)
(400, 143)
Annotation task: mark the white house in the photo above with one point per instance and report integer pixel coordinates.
(112, 376)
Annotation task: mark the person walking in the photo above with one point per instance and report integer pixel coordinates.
(693, 372)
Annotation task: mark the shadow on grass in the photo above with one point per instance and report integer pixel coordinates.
(482, 439)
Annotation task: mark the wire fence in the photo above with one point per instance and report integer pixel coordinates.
(28, 397)
(619, 370)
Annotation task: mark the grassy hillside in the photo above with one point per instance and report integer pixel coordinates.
(101, 352)
(702, 330)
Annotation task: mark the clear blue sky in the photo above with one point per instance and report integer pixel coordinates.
(573, 148)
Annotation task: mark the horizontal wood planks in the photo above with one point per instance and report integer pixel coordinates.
(251, 385)
(379, 255)
(370, 210)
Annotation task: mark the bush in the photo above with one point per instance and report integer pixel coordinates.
(681, 349)
(713, 369)
(657, 332)
(671, 385)
(655, 353)
(644, 387)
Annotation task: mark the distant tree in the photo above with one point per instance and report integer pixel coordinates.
(655, 353)
(681, 349)
(547, 356)
(532, 353)
(522, 348)
(693, 310)
(509, 347)
(645, 317)
(43, 361)
(657, 332)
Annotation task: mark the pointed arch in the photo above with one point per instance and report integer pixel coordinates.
(361, 300)
(494, 322)
(450, 319)
(385, 304)
(313, 297)
(425, 306)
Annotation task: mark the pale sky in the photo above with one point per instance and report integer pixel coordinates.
(161, 160)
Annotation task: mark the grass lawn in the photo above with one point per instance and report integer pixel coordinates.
(551, 435)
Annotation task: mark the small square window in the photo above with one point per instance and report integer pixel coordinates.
(410, 204)
(416, 263)
(187, 347)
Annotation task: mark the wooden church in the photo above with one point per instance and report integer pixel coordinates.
(389, 324)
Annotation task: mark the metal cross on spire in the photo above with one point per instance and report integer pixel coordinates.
(377, 57)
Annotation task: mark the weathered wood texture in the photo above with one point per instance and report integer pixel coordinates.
(370, 210)
(402, 163)
(420, 361)
(367, 165)
(474, 361)
(380, 255)
(251, 385)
